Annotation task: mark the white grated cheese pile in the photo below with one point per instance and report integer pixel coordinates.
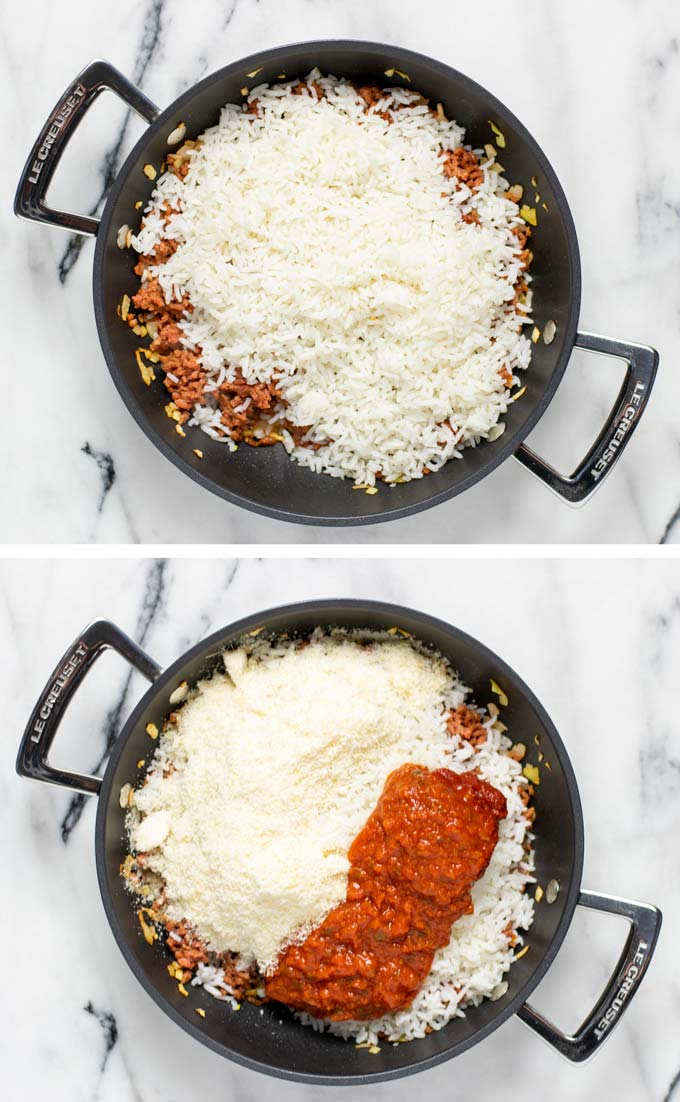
(324, 245)
(278, 763)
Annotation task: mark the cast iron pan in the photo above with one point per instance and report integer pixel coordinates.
(273, 1041)
(264, 479)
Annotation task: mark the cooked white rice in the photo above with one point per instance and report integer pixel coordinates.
(323, 245)
(473, 965)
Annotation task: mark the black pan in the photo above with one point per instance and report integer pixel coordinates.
(265, 480)
(274, 1042)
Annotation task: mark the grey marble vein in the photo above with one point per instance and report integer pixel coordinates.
(152, 605)
(106, 468)
(669, 530)
(150, 42)
(672, 1089)
(229, 12)
(109, 1029)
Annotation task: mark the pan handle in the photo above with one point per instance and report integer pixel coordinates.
(627, 410)
(56, 697)
(645, 923)
(29, 201)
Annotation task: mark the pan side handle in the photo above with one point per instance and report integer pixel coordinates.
(57, 694)
(626, 412)
(61, 124)
(644, 925)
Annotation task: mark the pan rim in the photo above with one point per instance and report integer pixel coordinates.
(323, 607)
(509, 447)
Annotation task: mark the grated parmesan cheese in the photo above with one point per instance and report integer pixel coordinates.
(278, 763)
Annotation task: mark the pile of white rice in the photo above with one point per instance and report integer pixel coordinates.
(322, 245)
(277, 764)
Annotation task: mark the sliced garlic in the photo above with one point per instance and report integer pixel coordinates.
(177, 135)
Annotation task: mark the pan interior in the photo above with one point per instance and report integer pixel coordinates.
(264, 479)
(272, 1040)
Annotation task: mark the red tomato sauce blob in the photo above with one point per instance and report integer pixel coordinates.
(430, 837)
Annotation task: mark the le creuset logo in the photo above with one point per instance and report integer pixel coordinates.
(624, 426)
(632, 975)
(66, 673)
(67, 108)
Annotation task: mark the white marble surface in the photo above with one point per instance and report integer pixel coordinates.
(597, 84)
(598, 643)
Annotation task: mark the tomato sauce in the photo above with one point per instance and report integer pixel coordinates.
(412, 866)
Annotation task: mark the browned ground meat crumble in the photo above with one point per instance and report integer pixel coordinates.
(186, 368)
(189, 951)
(467, 724)
(186, 947)
(186, 383)
(231, 396)
(370, 94)
(463, 164)
(304, 88)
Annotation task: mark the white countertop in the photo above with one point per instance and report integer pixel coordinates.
(598, 644)
(598, 86)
